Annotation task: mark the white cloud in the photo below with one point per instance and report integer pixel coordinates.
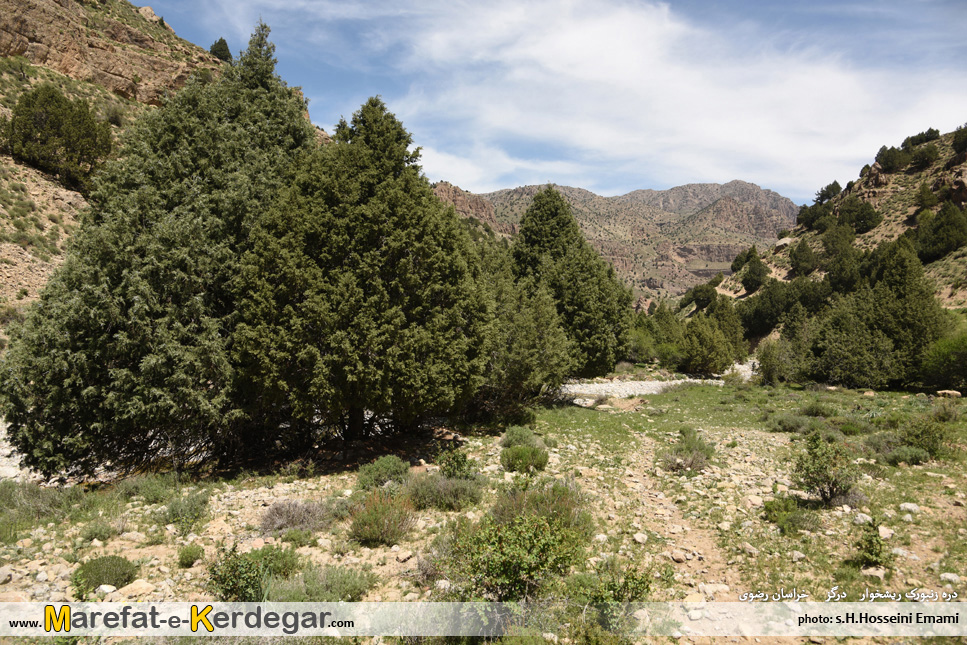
(618, 94)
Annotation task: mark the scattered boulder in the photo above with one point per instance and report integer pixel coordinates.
(950, 394)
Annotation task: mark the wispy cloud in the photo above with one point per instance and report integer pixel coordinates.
(615, 95)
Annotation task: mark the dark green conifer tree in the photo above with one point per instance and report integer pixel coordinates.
(364, 295)
(126, 359)
(594, 307)
(220, 50)
(803, 259)
(755, 272)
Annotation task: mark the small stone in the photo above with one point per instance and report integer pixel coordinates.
(753, 501)
(6, 575)
(907, 518)
(258, 543)
(601, 537)
(678, 556)
(909, 507)
(42, 577)
(862, 518)
(952, 578)
(348, 492)
(640, 538)
(137, 588)
(953, 394)
(106, 589)
(96, 543)
(548, 636)
(885, 533)
(403, 556)
(874, 572)
(134, 536)
(869, 393)
(442, 585)
(724, 526)
(749, 549)
(797, 556)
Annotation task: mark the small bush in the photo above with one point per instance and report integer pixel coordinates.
(690, 454)
(505, 562)
(295, 514)
(98, 530)
(518, 436)
(786, 514)
(825, 468)
(523, 459)
(275, 561)
(328, 584)
(382, 518)
(188, 510)
(189, 554)
(456, 465)
(107, 570)
(299, 537)
(928, 434)
(909, 455)
(817, 409)
(560, 502)
(444, 493)
(873, 551)
(612, 586)
(382, 471)
(235, 577)
(792, 423)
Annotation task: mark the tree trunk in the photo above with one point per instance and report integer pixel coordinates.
(354, 431)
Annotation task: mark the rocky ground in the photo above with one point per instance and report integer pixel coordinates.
(703, 535)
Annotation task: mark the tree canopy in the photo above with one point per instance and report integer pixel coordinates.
(594, 307)
(127, 356)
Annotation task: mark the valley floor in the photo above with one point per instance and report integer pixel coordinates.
(702, 536)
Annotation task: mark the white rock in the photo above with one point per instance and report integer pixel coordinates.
(952, 578)
(641, 538)
(886, 533)
(862, 518)
(909, 508)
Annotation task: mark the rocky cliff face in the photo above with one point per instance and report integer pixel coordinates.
(109, 43)
(470, 205)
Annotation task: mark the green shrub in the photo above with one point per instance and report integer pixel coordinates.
(928, 434)
(786, 514)
(189, 554)
(825, 468)
(382, 518)
(299, 537)
(873, 551)
(107, 570)
(235, 577)
(382, 471)
(444, 493)
(523, 459)
(505, 562)
(909, 455)
(690, 454)
(792, 423)
(328, 584)
(187, 510)
(49, 131)
(98, 530)
(153, 488)
(518, 436)
(456, 465)
(295, 514)
(612, 587)
(276, 561)
(817, 409)
(560, 502)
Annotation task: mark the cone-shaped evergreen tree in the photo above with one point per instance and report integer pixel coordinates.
(595, 308)
(364, 295)
(125, 359)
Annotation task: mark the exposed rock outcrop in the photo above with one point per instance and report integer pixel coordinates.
(126, 51)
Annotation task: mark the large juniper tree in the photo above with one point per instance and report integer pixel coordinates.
(595, 308)
(365, 303)
(126, 357)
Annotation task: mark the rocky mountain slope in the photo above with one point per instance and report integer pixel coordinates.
(661, 242)
(111, 43)
(895, 196)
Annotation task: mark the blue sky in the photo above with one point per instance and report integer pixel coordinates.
(617, 95)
